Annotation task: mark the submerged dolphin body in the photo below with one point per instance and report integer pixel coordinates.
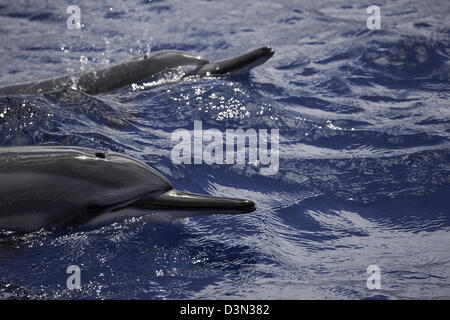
(55, 187)
(124, 73)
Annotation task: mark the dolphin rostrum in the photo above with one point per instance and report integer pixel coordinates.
(54, 187)
(122, 73)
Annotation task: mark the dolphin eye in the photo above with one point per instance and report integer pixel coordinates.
(101, 155)
(145, 56)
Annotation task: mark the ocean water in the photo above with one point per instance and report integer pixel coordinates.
(364, 164)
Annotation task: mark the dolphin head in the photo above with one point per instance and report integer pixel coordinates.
(154, 192)
(237, 65)
(48, 187)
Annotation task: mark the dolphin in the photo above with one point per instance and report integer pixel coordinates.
(122, 73)
(54, 187)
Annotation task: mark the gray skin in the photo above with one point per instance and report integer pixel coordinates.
(57, 187)
(124, 73)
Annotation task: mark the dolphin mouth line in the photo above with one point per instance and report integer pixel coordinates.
(186, 201)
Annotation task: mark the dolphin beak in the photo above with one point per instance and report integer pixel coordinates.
(179, 200)
(239, 64)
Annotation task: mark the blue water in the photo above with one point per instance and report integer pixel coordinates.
(364, 124)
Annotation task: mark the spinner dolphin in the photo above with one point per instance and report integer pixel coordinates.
(123, 73)
(56, 187)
